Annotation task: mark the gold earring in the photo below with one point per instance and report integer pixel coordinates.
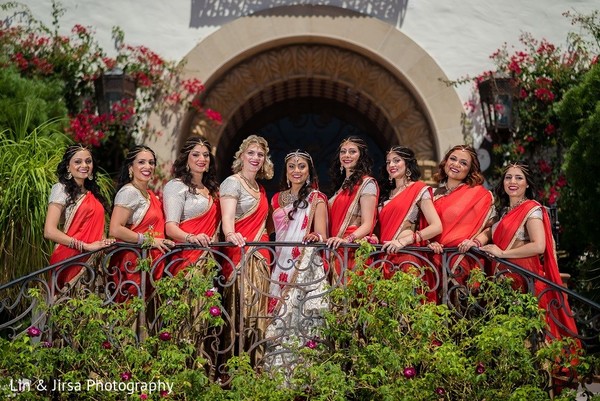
(69, 175)
(130, 174)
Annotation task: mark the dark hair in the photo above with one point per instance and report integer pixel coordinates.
(474, 176)
(413, 172)
(362, 168)
(181, 171)
(131, 155)
(71, 187)
(502, 197)
(302, 201)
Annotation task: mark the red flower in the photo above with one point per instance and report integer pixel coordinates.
(520, 149)
(214, 115)
(215, 311)
(529, 138)
(480, 368)
(143, 396)
(283, 278)
(410, 372)
(436, 343)
(33, 331)
(125, 376)
(561, 182)
(543, 94)
(165, 336)
(550, 129)
(210, 293)
(106, 345)
(440, 391)
(312, 344)
(272, 304)
(545, 168)
(164, 393)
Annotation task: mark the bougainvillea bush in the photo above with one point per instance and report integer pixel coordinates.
(76, 60)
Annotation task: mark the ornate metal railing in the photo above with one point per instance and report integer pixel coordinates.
(293, 317)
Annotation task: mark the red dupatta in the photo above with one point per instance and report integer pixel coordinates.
(505, 236)
(345, 204)
(464, 213)
(206, 223)
(393, 214)
(252, 226)
(86, 224)
(391, 218)
(154, 222)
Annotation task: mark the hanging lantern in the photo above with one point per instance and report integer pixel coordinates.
(112, 87)
(499, 101)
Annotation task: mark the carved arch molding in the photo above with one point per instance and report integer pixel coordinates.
(318, 71)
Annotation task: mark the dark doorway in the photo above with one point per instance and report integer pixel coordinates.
(313, 124)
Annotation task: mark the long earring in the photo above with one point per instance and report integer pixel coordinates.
(308, 181)
(289, 183)
(90, 177)
(69, 175)
(408, 173)
(130, 174)
(187, 168)
(391, 179)
(341, 169)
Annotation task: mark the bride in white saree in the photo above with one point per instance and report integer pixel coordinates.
(298, 279)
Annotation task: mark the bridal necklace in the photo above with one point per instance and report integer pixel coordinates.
(519, 202)
(254, 187)
(287, 197)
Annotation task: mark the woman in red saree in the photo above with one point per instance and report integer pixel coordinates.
(244, 211)
(465, 208)
(404, 199)
(75, 203)
(353, 207)
(522, 235)
(191, 202)
(137, 218)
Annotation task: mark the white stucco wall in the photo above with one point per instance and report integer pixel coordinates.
(459, 34)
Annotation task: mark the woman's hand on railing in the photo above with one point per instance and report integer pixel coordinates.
(393, 246)
(312, 237)
(97, 245)
(162, 244)
(493, 250)
(436, 247)
(335, 242)
(236, 239)
(467, 244)
(199, 239)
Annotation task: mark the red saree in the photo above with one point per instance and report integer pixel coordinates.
(206, 223)
(252, 226)
(391, 219)
(464, 213)
(126, 261)
(560, 319)
(343, 207)
(86, 224)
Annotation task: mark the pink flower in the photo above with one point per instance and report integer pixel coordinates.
(480, 368)
(214, 115)
(312, 344)
(215, 311)
(545, 95)
(46, 344)
(165, 336)
(33, 331)
(143, 396)
(440, 391)
(125, 376)
(106, 345)
(210, 293)
(164, 393)
(436, 343)
(410, 372)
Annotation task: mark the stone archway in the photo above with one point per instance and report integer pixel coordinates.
(321, 72)
(365, 63)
